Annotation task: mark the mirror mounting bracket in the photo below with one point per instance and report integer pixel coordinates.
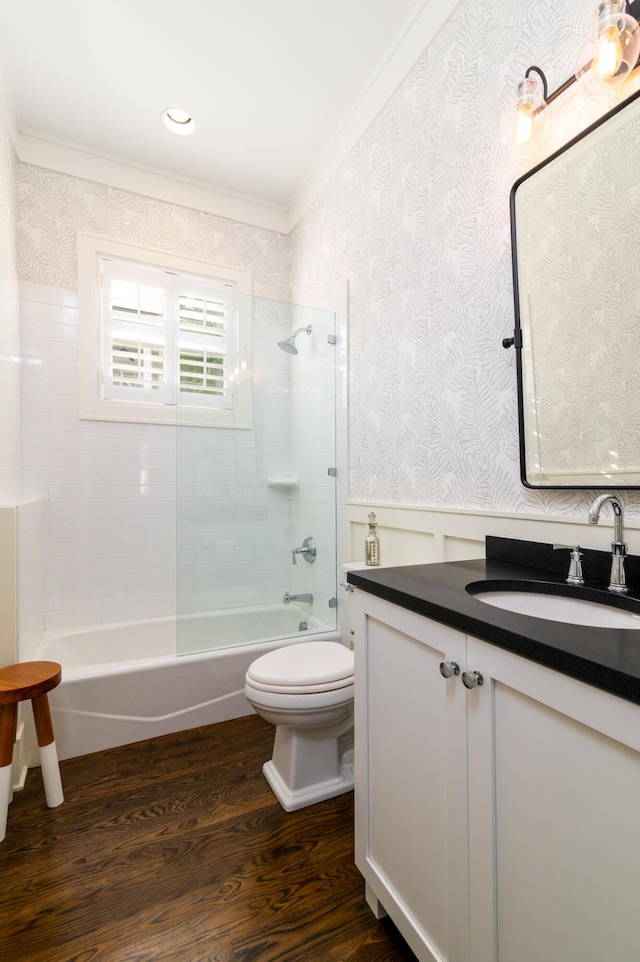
(515, 341)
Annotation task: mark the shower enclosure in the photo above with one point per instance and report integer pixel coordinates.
(256, 501)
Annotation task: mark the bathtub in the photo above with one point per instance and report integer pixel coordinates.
(124, 682)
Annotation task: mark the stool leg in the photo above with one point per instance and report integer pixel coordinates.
(8, 726)
(48, 754)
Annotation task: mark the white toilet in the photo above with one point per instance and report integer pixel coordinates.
(306, 690)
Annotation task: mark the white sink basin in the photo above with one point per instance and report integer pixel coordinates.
(573, 611)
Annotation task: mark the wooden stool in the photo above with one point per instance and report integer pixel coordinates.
(30, 680)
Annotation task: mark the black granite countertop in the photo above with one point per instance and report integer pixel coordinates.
(608, 658)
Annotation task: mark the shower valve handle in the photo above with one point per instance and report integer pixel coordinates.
(308, 551)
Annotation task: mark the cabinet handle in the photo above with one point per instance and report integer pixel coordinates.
(471, 679)
(449, 668)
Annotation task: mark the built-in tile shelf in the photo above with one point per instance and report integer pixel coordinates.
(283, 482)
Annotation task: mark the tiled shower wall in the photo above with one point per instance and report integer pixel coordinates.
(114, 491)
(109, 487)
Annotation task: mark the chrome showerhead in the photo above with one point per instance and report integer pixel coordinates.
(289, 345)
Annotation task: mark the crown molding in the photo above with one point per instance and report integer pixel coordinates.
(417, 33)
(412, 40)
(67, 158)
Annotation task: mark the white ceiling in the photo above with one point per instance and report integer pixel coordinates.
(269, 82)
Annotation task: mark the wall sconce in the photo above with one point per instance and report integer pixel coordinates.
(522, 116)
(606, 58)
(610, 51)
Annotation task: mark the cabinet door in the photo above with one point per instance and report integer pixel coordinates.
(554, 806)
(411, 840)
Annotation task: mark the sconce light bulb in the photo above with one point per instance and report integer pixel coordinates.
(522, 117)
(608, 55)
(524, 125)
(610, 51)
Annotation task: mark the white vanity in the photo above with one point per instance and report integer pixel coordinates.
(500, 822)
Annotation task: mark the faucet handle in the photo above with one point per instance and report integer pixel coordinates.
(575, 564)
(575, 567)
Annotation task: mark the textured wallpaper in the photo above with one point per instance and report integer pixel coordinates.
(417, 218)
(54, 207)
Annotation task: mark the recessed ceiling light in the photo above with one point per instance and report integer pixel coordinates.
(178, 121)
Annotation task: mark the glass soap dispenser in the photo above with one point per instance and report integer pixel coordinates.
(372, 543)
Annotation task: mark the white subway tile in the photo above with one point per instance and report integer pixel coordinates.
(35, 384)
(33, 310)
(135, 610)
(59, 368)
(65, 386)
(62, 315)
(73, 617)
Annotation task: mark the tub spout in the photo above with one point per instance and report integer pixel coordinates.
(287, 598)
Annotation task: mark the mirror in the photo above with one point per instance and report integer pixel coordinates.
(575, 232)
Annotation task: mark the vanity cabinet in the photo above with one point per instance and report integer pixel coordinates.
(500, 823)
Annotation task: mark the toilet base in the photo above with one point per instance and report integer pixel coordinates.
(293, 799)
(310, 765)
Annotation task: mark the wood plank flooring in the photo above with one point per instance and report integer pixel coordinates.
(175, 850)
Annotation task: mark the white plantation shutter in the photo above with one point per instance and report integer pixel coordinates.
(205, 344)
(167, 338)
(136, 306)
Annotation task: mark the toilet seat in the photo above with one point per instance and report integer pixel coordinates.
(307, 668)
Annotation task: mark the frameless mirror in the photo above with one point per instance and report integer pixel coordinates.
(575, 231)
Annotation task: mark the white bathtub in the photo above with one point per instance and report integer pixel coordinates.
(124, 682)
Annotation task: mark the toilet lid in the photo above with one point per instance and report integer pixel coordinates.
(312, 665)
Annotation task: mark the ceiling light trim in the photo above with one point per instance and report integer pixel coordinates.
(178, 121)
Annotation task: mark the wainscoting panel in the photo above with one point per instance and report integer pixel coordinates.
(410, 535)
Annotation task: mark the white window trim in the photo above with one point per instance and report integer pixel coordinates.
(92, 406)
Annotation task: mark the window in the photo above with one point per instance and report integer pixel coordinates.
(160, 342)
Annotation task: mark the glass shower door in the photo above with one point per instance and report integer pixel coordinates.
(250, 494)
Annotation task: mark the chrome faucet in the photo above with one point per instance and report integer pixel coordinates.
(617, 581)
(287, 598)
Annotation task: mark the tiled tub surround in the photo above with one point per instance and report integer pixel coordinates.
(109, 487)
(606, 658)
(113, 490)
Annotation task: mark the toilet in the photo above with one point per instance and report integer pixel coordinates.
(306, 691)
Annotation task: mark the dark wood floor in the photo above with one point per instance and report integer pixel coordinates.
(174, 849)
